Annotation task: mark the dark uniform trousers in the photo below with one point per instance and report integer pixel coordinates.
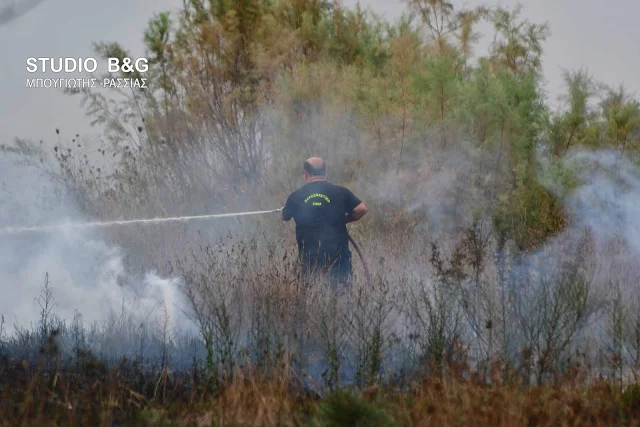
(337, 268)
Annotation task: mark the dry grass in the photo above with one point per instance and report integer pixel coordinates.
(94, 395)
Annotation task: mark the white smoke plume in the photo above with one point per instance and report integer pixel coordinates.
(85, 273)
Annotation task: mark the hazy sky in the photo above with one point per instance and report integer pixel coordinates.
(601, 36)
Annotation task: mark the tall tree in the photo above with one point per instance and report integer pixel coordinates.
(517, 44)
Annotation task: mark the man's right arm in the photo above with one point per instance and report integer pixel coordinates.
(285, 213)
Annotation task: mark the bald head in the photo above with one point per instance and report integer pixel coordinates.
(314, 167)
(315, 162)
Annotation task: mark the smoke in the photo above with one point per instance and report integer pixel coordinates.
(601, 194)
(608, 200)
(600, 191)
(85, 272)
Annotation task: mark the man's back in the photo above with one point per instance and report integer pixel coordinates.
(319, 210)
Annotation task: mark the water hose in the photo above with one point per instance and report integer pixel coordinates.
(364, 263)
(97, 224)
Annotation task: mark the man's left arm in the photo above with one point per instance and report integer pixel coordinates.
(355, 208)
